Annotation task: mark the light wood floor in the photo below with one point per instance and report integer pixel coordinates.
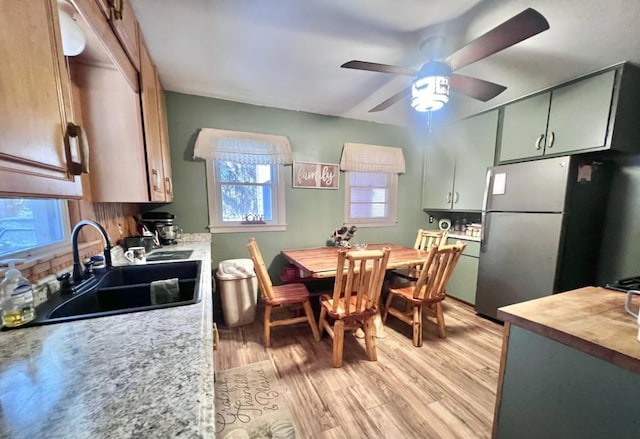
(445, 389)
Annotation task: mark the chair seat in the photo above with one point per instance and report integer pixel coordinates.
(288, 293)
(407, 294)
(327, 302)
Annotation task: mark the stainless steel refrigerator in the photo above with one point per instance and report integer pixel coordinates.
(541, 229)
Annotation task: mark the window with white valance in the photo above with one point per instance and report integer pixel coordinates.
(245, 179)
(242, 147)
(371, 183)
(372, 158)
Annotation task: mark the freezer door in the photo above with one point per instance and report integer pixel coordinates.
(535, 186)
(519, 260)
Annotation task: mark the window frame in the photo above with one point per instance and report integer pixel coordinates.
(392, 189)
(214, 197)
(53, 247)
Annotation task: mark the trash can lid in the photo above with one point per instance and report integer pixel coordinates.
(235, 269)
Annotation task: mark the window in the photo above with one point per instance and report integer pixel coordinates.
(31, 225)
(371, 183)
(245, 197)
(245, 179)
(371, 198)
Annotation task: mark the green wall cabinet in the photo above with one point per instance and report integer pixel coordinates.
(589, 114)
(456, 161)
(462, 284)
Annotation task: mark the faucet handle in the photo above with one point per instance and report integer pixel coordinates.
(66, 286)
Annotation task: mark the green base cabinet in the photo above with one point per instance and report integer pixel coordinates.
(551, 390)
(463, 282)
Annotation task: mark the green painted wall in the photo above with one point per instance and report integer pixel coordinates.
(312, 214)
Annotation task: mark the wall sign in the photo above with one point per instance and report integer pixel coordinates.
(316, 175)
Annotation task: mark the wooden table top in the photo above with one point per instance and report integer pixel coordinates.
(320, 262)
(591, 319)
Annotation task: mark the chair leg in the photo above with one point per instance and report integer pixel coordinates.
(267, 325)
(440, 319)
(312, 321)
(369, 339)
(322, 320)
(338, 343)
(386, 308)
(417, 326)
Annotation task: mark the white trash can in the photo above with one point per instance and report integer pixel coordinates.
(238, 291)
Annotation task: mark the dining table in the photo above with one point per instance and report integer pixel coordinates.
(321, 263)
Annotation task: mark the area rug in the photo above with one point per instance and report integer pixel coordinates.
(250, 404)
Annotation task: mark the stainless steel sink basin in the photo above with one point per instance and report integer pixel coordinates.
(123, 290)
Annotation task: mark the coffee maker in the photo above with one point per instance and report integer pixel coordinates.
(162, 225)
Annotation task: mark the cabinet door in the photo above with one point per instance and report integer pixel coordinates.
(524, 125)
(151, 118)
(34, 103)
(475, 149)
(462, 283)
(579, 115)
(437, 190)
(125, 25)
(164, 140)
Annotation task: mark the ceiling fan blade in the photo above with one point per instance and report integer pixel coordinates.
(518, 28)
(392, 100)
(375, 67)
(474, 87)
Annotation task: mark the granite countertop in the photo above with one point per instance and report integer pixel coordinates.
(138, 375)
(590, 319)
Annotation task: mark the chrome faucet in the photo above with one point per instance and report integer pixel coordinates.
(78, 273)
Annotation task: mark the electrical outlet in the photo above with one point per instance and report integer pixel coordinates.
(430, 219)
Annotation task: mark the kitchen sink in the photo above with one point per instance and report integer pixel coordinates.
(123, 290)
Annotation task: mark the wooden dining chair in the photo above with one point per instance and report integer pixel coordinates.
(425, 239)
(427, 293)
(294, 294)
(354, 303)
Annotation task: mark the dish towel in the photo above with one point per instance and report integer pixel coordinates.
(164, 291)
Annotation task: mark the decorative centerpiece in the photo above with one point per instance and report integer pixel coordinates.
(342, 236)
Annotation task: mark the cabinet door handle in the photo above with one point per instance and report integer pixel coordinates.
(74, 164)
(169, 185)
(448, 197)
(539, 141)
(115, 10)
(156, 180)
(552, 137)
(456, 197)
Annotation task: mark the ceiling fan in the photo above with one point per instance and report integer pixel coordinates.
(430, 88)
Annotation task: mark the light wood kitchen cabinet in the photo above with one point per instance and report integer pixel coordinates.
(463, 281)
(35, 103)
(123, 21)
(160, 185)
(106, 93)
(456, 160)
(589, 114)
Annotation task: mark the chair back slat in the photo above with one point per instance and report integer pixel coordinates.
(357, 290)
(264, 280)
(437, 270)
(426, 238)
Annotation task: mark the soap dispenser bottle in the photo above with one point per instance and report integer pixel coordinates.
(17, 298)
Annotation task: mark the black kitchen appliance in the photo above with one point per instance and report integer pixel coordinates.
(161, 224)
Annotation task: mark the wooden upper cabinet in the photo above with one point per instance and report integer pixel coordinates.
(152, 129)
(35, 103)
(123, 21)
(164, 140)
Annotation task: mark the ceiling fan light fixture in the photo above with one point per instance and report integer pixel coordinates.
(430, 89)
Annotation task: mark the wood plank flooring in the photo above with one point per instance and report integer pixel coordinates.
(445, 389)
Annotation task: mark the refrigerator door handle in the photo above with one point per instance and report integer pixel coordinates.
(485, 203)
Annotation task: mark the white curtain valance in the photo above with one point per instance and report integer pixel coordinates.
(241, 147)
(372, 158)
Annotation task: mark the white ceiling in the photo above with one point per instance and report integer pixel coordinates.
(287, 53)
